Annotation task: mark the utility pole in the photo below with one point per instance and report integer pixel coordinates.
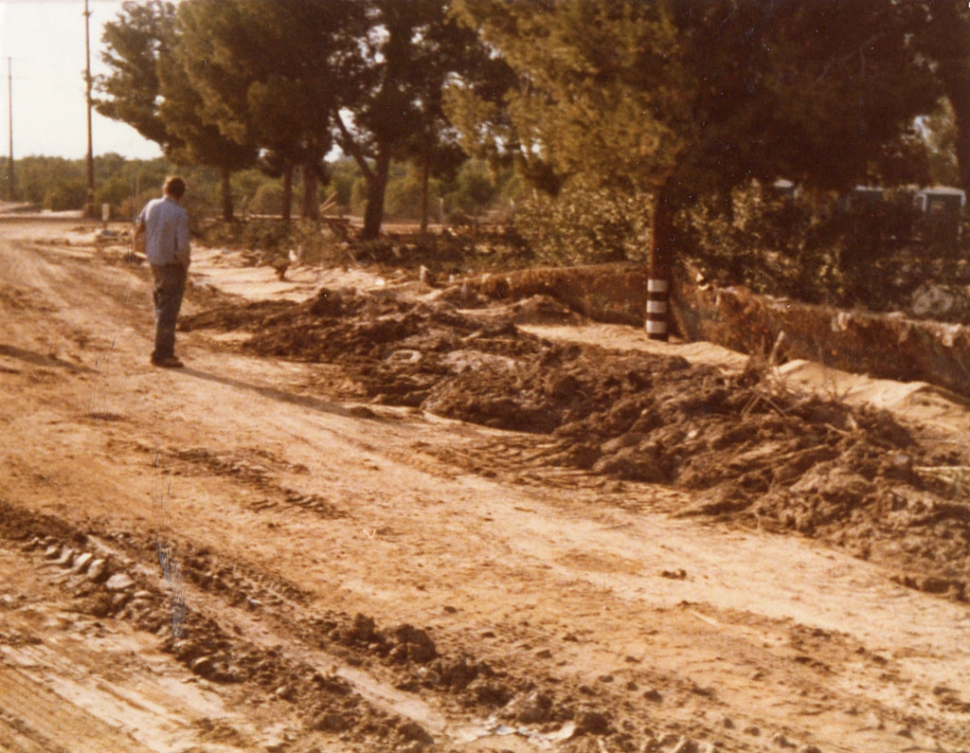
(10, 177)
(89, 203)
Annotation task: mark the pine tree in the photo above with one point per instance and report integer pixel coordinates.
(683, 99)
(148, 88)
(272, 72)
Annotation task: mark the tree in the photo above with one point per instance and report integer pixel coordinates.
(686, 99)
(395, 111)
(148, 89)
(271, 73)
(133, 45)
(197, 141)
(443, 51)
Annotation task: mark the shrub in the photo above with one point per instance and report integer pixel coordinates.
(268, 199)
(585, 225)
(66, 195)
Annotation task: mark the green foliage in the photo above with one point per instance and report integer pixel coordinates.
(258, 88)
(821, 249)
(760, 239)
(585, 224)
(685, 101)
(404, 193)
(126, 186)
(268, 199)
(49, 181)
(133, 44)
(343, 174)
(66, 194)
(472, 191)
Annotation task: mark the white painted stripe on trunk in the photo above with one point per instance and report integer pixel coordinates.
(656, 307)
(657, 286)
(656, 328)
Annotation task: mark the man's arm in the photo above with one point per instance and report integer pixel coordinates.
(183, 251)
(139, 234)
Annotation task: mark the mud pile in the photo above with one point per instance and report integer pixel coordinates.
(753, 451)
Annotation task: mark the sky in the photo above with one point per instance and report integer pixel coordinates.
(44, 40)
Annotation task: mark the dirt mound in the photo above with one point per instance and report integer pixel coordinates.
(753, 451)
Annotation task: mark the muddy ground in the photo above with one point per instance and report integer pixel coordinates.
(376, 515)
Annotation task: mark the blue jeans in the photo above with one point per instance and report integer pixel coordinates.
(167, 294)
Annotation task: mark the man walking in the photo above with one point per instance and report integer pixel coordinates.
(165, 225)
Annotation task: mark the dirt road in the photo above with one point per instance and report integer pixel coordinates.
(262, 553)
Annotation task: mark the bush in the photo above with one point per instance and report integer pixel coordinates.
(585, 225)
(268, 199)
(826, 250)
(66, 195)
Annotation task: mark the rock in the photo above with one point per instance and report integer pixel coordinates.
(67, 555)
(652, 694)
(203, 666)
(809, 749)
(98, 571)
(286, 692)
(119, 582)
(82, 561)
(52, 552)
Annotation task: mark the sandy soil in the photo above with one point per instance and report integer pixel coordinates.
(372, 515)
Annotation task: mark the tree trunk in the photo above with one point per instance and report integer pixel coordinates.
(376, 189)
(311, 194)
(663, 238)
(287, 194)
(227, 208)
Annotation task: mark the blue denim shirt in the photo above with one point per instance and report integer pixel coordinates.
(166, 232)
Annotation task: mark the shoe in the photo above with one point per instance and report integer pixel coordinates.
(171, 362)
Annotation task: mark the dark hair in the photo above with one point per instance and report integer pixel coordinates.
(174, 187)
